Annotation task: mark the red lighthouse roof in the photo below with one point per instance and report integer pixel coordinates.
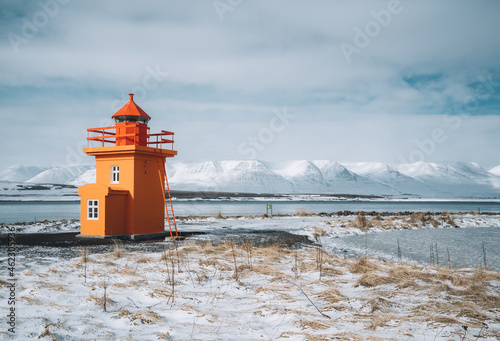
(131, 112)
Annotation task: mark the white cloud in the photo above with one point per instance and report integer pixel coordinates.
(229, 75)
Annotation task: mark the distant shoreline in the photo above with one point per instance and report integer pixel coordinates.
(229, 195)
(176, 195)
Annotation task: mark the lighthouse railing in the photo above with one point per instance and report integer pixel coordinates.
(164, 137)
(103, 137)
(109, 135)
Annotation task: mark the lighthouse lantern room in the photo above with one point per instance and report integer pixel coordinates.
(131, 193)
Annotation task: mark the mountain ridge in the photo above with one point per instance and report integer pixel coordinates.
(420, 179)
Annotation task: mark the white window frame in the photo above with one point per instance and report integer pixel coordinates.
(115, 174)
(92, 209)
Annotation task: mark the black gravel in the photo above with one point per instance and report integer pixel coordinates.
(68, 245)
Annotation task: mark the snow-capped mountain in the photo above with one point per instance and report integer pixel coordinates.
(342, 180)
(84, 178)
(421, 179)
(20, 173)
(455, 179)
(389, 176)
(303, 175)
(59, 175)
(226, 176)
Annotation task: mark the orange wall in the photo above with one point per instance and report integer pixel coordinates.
(94, 192)
(142, 209)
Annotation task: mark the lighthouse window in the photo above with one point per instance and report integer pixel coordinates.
(92, 209)
(132, 118)
(115, 174)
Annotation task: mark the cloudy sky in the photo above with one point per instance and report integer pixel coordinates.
(390, 81)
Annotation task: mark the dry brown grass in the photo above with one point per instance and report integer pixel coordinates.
(302, 212)
(432, 307)
(402, 274)
(188, 247)
(143, 259)
(479, 295)
(216, 263)
(129, 284)
(443, 276)
(445, 217)
(31, 300)
(58, 287)
(422, 219)
(481, 275)
(434, 222)
(331, 271)
(418, 218)
(361, 222)
(145, 317)
(379, 321)
(363, 265)
(160, 293)
(263, 289)
(127, 270)
(209, 248)
(163, 336)
(243, 267)
(46, 332)
(271, 253)
(473, 314)
(84, 255)
(118, 252)
(375, 222)
(218, 215)
(389, 221)
(443, 319)
(345, 336)
(99, 300)
(331, 295)
(314, 325)
(124, 313)
(372, 280)
(318, 232)
(269, 270)
(380, 304)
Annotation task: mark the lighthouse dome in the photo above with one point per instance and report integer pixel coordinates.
(131, 112)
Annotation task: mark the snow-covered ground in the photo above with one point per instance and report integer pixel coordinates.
(192, 291)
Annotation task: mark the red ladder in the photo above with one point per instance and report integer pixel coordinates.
(170, 215)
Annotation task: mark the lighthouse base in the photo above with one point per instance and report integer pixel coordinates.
(136, 237)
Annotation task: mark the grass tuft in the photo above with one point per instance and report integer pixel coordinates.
(361, 222)
(118, 252)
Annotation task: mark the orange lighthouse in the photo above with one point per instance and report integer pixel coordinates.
(129, 197)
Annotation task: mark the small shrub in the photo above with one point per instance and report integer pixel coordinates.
(361, 222)
(418, 218)
(301, 212)
(118, 252)
(371, 280)
(363, 265)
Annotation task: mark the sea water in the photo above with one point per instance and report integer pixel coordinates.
(30, 211)
(453, 247)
